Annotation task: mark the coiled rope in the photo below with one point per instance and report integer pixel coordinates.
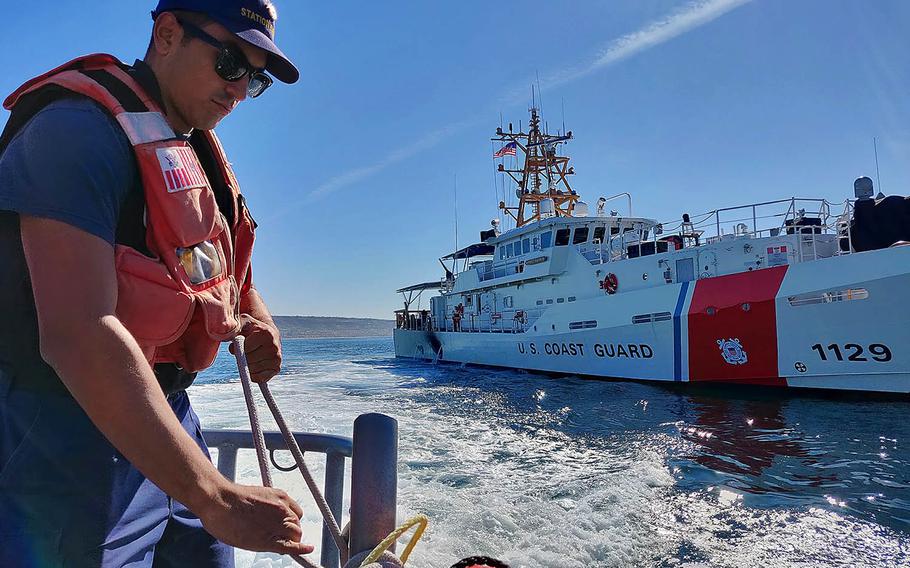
(420, 521)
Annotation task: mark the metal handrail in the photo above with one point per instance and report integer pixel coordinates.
(336, 449)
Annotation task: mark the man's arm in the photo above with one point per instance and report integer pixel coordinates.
(263, 340)
(75, 288)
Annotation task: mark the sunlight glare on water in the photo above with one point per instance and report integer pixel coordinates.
(563, 472)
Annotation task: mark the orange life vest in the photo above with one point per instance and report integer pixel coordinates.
(183, 300)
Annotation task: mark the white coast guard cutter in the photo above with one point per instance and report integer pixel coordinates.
(795, 292)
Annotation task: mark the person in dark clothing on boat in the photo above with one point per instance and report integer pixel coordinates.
(119, 278)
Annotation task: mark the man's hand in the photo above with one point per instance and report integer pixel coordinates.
(260, 519)
(262, 346)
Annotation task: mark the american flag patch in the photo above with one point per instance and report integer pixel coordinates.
(180, 169)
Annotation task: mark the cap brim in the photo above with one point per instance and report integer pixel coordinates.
(278, 64)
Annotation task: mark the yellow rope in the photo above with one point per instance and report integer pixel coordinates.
(420, 520)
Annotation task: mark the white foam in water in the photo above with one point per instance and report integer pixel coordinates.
(477, 504)
(532, 495)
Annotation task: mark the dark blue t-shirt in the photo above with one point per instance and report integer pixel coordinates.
(72, 163)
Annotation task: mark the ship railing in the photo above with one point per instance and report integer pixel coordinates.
(373, 453)
(618, 247)
(412, 319)
(512, 320)
(817, 223)
(768, 219)
(490, 270)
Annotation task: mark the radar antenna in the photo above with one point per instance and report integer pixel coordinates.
(542, 165)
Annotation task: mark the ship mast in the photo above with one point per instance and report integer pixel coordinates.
(543, 175)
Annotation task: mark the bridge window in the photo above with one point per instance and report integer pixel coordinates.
(502, 252)
(546, 240)
(562, 237)
(581, 235)
(526, 246)
(599, 234)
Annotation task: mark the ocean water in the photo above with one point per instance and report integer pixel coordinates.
(570, 473)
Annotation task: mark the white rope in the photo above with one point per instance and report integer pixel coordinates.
(258, 437)
(387, 559)
(294, 448)
(255, 425)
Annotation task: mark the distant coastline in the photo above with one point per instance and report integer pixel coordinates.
(295, 327)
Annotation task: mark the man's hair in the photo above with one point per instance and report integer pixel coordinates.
(196, 18)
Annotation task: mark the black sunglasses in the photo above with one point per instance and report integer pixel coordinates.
(231, 64)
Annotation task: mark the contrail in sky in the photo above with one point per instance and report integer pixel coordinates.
(355, 175)
(689, 17)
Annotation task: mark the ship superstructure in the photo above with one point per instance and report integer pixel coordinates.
(792, 292)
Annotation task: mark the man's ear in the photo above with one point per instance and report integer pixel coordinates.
(166, 34)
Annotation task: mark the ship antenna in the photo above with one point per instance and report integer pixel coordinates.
(502, 187)
(539, 96)
(455, 256)
(878, 178)
(563, 117)
(495, 186)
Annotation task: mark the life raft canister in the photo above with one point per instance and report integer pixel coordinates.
(183, 300)
(610, 283)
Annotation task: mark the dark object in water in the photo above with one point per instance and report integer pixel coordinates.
(480, 562)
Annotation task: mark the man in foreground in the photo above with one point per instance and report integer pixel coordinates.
(125, 247)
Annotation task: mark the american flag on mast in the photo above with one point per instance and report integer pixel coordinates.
(507, 150)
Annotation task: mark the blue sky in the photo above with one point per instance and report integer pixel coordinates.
(690, 106)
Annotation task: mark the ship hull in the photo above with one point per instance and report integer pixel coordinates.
(837, 323)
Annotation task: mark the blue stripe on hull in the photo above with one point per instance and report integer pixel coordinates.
(677, 332)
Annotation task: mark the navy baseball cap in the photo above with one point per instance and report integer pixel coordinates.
(251, 20)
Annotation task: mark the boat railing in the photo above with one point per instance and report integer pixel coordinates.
(795, 215)
(412, 319)
(823, 229)
(630, 244)
(490, 270)
(504, 321)
(373, 450)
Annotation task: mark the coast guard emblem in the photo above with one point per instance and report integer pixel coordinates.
(732, 350)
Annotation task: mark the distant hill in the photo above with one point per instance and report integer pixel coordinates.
(312, 326)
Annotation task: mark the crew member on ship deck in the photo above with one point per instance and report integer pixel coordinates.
(120, 279)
